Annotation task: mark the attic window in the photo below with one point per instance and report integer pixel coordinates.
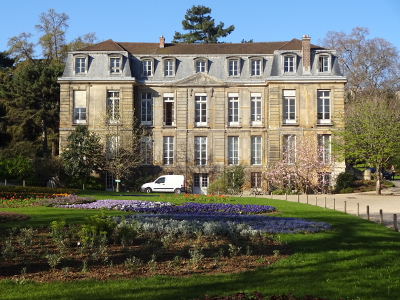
(323, 63)
(289, 63)
(115, 64)
(201, 65)
(80, 64)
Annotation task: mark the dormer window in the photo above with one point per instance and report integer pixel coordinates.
(81, 64)
(233, 67)
(323, 63)
(169, 67)
(147, 67)
(289, 63)
(115, 64)
(201, 65)
(256, 66)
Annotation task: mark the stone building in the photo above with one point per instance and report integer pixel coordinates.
(207, 106)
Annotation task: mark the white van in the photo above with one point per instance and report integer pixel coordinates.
(166, 184)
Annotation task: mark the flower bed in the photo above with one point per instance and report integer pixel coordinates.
(202, 214)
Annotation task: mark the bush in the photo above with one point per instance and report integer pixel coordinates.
(347, 190)
(344, 181)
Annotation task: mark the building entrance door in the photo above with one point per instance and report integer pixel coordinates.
(200, 183)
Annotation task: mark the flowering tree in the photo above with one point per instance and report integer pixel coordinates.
(304, 165)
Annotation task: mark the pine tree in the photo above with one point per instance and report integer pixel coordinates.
(201, 27)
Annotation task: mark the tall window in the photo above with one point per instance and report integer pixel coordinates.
(200, 150)
(289, 149)
(80, 65)
(113, 106)
(168, 150)
(233, 109)
(255, 67)
(147, 65)
(200, 115)
(288, 66)
(255, 99)
(323, 63)
(256, 180)
(146, 150)
(115, 65)
(79, 107)
(256, 150)
(168, 109)
(147, 109)
(233, 150)
(201, 66)
(289, 106)
(168, 67)
(111, 146)
(324, 106)
(324, 145)
(233, 67)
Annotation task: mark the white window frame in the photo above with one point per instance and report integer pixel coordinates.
(147, 67)
(79, 114)
(256, 150)
(168, 109)
(169, 67)
(168, 150)
(146, 105)
(146, 150)
(115, 64)
(200, 150)
(201, 65)
(324, 106)
(324, 63)
(256, 108)
(81, 64)
(200, 110)
(324, 145)
(289, 64)
(233, 67)
(233, 150)
(233, 109)
(289, 148)
(113, 105)
(256, 66)
(289, 106)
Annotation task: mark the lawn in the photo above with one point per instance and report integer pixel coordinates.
(358, 259)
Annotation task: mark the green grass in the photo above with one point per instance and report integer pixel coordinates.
(358, 259)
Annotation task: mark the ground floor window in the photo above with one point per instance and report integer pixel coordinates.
(256, 180)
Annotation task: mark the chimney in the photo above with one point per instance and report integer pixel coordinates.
(162, 41)
(305, 42)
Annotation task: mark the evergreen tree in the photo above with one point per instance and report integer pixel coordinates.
(82, 155)
(201, 26)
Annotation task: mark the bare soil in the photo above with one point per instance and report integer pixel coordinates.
(41, 259)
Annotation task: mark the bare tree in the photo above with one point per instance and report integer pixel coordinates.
(121, 136)
(370, 65)
(53, 26)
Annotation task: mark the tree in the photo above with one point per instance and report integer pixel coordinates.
(31, 97)
(302, 166)
(369, 64)
(201, 26)
(83, 154)
(122, 139)
(5, 60)
(372, 133)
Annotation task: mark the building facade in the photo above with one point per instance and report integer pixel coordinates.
(207, 106)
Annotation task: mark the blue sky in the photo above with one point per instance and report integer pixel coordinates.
(260, 20)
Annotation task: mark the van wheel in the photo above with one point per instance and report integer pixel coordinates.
(148, 190)
(177, 191)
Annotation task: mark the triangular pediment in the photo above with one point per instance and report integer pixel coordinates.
(199, 79)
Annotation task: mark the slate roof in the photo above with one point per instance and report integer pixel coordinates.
(200, 49)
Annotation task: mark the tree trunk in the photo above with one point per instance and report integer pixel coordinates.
(378, 182)
(44, 137)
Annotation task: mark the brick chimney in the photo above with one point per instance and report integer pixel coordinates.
(305, 41)
(162, 41)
